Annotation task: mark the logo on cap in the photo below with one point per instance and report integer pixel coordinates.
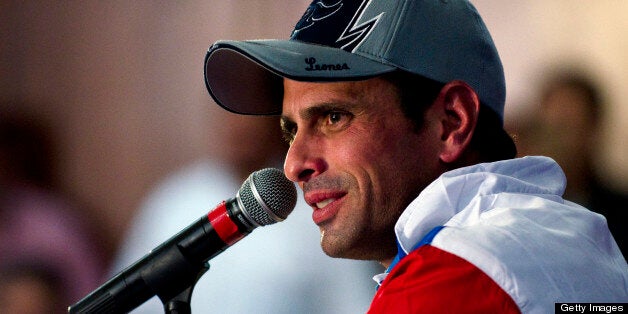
(354, 34)
(335, 25)
(315, 12)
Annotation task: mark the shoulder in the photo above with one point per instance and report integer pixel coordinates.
(432, 280)
(540, 255)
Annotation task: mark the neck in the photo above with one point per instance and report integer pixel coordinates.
(386, 263)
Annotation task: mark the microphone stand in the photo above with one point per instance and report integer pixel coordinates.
(180, 303)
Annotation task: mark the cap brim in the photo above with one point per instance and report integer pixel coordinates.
(246, 76)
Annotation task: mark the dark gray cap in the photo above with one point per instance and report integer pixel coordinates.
(341, 40)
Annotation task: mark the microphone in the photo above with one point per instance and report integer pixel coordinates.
(265, 197)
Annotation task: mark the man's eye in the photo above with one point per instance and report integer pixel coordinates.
(288, 136)
(335, 117)
(288, 130)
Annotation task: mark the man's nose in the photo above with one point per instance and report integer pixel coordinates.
(304, 159)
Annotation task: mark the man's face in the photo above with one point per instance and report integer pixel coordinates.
(358, 159)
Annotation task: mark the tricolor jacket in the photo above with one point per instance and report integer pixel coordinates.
(499, 238)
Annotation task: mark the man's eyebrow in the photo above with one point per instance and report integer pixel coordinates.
(324, 108)
(288, 123)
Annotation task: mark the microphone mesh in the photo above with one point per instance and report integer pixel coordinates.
(275, 199)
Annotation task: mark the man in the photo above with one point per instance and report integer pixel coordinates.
(394, 114)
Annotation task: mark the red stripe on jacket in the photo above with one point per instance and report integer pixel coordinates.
(430, 280)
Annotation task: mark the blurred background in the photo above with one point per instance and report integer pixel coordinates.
(116, 90)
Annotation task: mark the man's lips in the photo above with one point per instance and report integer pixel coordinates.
(325, 204)
(320, 199)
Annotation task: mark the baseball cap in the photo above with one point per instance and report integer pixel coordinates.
(343, 40)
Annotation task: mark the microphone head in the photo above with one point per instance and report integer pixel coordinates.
(267, 196)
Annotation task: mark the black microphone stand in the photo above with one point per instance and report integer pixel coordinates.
(180, 303)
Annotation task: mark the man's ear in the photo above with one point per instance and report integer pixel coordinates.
(459, 108)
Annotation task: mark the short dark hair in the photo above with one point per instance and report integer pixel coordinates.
(417, 93)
